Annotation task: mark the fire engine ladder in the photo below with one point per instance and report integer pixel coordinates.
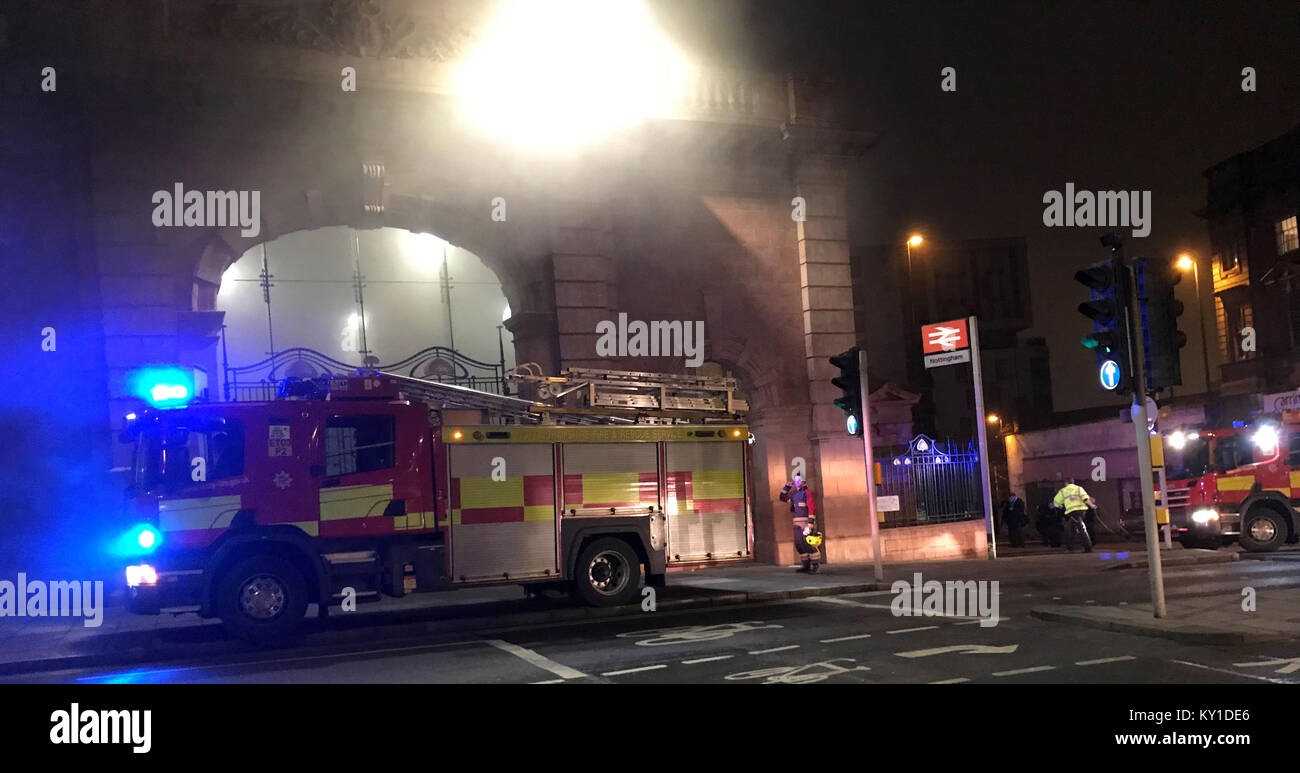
(441, 395)
(638, 394)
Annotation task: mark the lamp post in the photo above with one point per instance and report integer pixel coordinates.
(1185, 261)
(912, 241)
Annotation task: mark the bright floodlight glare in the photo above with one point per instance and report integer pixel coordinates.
(1193, 435)
(1266, 438)
(915, 240)
(1177, 440)
(556, 75)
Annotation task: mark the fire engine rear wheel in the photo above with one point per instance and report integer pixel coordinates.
(262, 598)
(608, 573)
(1262, 530)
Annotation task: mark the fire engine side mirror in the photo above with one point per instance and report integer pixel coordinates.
(317, 470)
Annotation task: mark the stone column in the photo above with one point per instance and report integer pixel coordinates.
(827, 299)
(585, 292)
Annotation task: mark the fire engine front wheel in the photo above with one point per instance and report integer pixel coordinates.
(262, 598)
(1262, 530)
(608, 573)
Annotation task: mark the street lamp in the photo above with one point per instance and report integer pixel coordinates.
(912, 241)
(993, 418)
(1184, 262)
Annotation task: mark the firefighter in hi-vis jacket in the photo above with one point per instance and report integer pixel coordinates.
(803, 511)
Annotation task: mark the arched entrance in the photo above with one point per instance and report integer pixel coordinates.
(316, 302)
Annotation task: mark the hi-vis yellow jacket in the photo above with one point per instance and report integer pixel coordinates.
(1072, 497)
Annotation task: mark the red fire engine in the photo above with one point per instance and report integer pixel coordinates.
(1239, 483)
(385, 485)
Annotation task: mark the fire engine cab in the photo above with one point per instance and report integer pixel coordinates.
(1238, 483)
(380, 485)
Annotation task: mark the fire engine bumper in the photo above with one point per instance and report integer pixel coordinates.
(151, 590)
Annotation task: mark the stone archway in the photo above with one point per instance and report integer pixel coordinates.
(687, 217)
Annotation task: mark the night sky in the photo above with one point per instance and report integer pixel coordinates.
(1109, 96)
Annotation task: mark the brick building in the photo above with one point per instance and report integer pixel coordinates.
(1251, 211)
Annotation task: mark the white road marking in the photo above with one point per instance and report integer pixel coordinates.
(958, 680)
(965, 649)
(1024, 671)
(1056, 598)
(634, 670)
(550, 681)
(864, 594)
(1099, 661)
(913, 630)
(846, 602)
(537, 659)
(978, 620)
(707, 581)
(706, 660)
(775, 649)
(845, 638)
(1234, 673)
(1288, 665)
(1090, 601)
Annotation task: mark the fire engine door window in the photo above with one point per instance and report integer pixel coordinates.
(221, 449)
(1294, 458)
(1232, 452)
(359, 444)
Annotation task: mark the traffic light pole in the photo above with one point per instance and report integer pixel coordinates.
(871, 467)
(1138, 412)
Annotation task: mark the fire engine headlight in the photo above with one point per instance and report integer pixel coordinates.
(1205, 516)
(1177, 440)
(142, 574)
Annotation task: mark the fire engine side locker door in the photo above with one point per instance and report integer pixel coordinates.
(503, 523)
(707, 514)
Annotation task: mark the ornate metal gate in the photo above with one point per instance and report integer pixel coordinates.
(934, 482)
(260, 380)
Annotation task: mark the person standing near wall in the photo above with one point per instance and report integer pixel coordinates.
(803, 513)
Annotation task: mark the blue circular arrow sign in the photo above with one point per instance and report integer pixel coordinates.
(1109, 374)
(851, 424)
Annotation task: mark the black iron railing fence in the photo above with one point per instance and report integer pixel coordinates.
(935, 482)
(260, 380)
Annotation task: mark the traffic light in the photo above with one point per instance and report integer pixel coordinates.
(1107, 308)
(850, 384)
(1161, 337)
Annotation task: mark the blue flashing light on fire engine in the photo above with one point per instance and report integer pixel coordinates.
(137, 541)
(163, 386)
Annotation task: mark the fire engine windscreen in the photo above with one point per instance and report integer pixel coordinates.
(174, 455)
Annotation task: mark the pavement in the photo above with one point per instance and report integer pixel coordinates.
(1200, 620)
(33, 645)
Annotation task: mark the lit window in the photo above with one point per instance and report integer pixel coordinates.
(1287, 237)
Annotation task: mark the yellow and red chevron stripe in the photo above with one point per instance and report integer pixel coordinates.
(513, 500)
(706, 491)
(611, 489)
